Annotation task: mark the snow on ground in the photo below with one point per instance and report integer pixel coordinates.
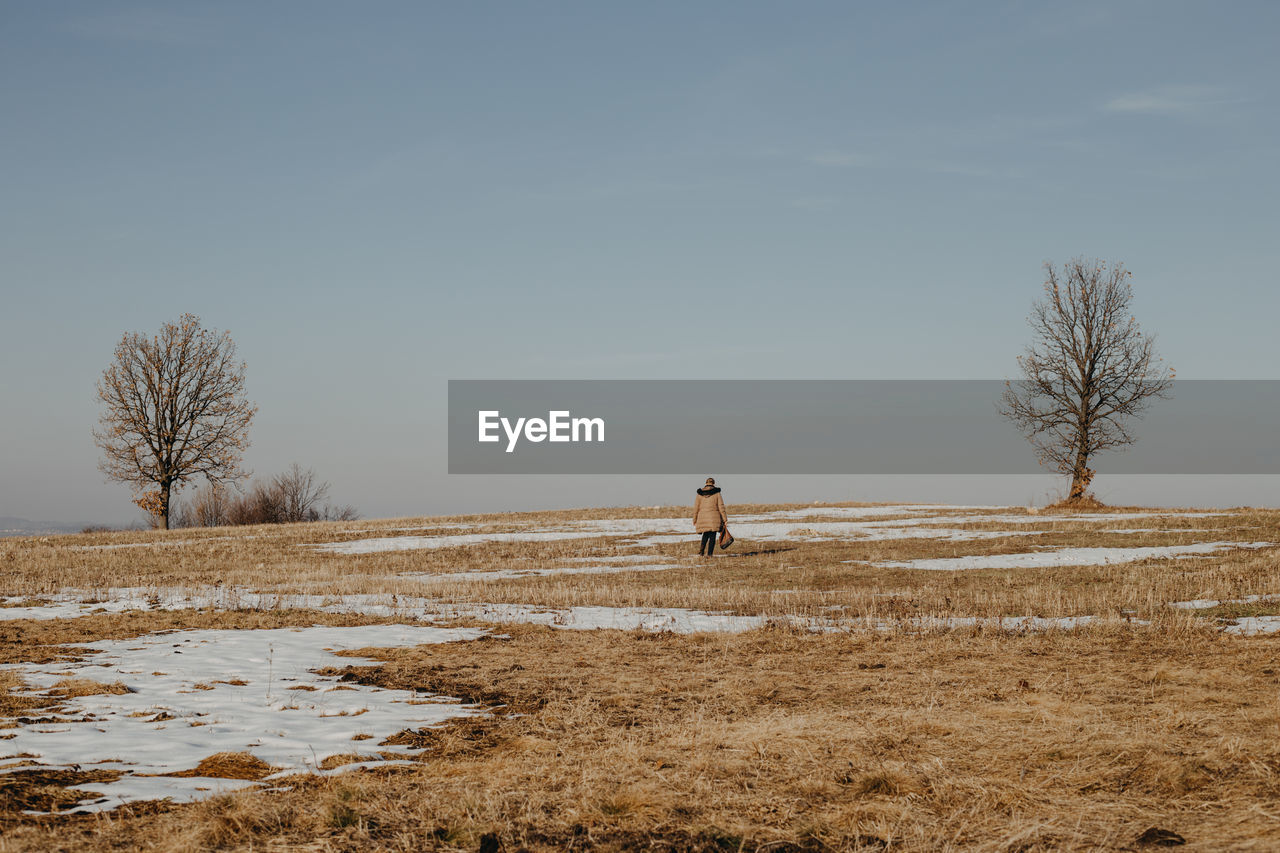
(1253, 625)
(1246, 625)
(580, 566)
(449, 525)
(817, 531)
(504, 574)
(895, 517)
(1009, 623)
(1067, 557)
(382, 605)
(412, 543)
(71, 604)
(774, 526)
(614, 558)
(675, 620)
(1021, 518)
(1206, 603)
(857, 511)
(196, 693)
(680, 621)
(105, 796)
(183, 705)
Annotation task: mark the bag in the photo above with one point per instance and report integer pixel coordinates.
(726, 538)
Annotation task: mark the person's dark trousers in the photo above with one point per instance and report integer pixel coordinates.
(708, 545)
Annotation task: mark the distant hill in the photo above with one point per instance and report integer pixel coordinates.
(14, 526)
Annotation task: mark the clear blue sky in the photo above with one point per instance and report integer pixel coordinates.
(375, 198)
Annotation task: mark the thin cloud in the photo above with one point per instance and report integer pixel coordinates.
(909, 164)
(149, 26)
(841, 158)
(1170, 100)
(814, 203)
(1007, 173)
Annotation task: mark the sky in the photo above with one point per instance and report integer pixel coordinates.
(375, 199)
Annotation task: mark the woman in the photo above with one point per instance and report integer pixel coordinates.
(709, 517)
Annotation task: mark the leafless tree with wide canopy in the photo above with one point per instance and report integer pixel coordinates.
(1088, 372)
(174, 409)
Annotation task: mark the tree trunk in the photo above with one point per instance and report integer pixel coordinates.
(1081, 477)
(163, 517)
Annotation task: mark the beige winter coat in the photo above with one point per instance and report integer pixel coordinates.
(708, 510)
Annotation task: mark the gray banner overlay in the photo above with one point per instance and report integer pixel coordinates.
(830, 427)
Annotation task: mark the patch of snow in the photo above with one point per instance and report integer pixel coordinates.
(72, 605)
(1067, 557)
(185, 675)
(675, 620)
(1206, 603)
(1137, 530)
(1254, 625)
(771, 526)
(616, 558)
(383, 544)
(505, 574)
(839, 531)
(672, 619)
(398, 606)
(1023, 518)
(623, 527)
(135, 789)
(858, 511)
(452, 525)
(1009, 623)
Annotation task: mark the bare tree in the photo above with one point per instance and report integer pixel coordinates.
(174, 409)
(209, 506)
(1089, 370)
(299, 494)
(260, 504)
(346, 512)
(294, 495)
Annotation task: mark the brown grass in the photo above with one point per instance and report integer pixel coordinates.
(44, 790)
(746, 579)
(1084, 503)
(69, 688)
(342, 760)
(230, 765)
(1078, 740)
(768, 740)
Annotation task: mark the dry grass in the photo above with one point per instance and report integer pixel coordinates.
(747, 579)
(977, 740)
(768, 740)
(230, 765)
(69, 688)
(1084, 503)
(44, 790)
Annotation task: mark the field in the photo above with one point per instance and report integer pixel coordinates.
(845, 677)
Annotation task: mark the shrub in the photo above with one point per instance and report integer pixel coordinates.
(294, 495)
